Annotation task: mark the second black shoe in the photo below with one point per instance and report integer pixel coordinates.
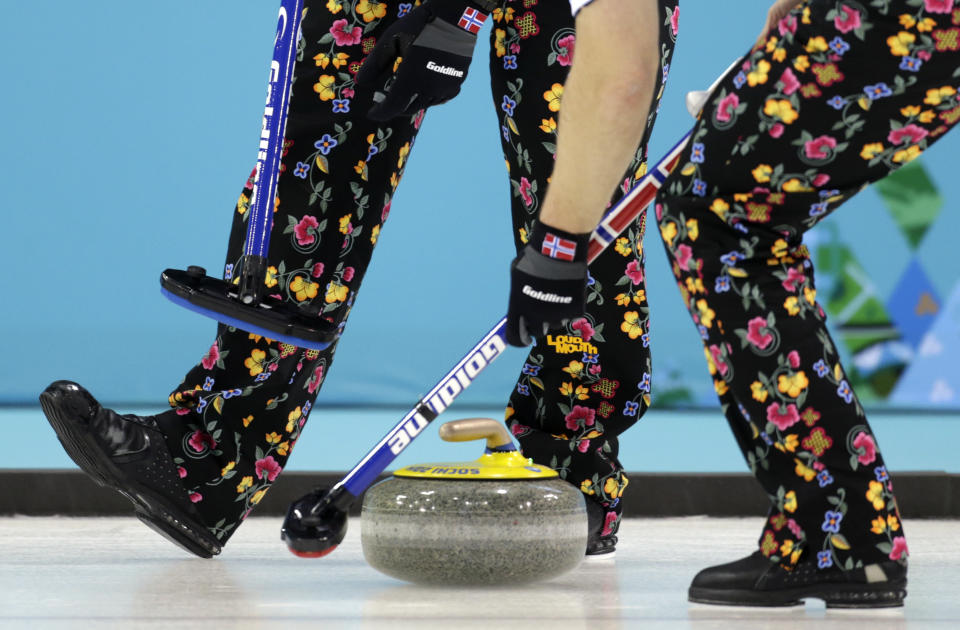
(755, 581)
(127, 453)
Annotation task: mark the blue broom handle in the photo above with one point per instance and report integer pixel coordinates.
(260, 220)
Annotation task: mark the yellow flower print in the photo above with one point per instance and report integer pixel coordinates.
(794, 185)
(303, 289)
(759, 74)
(762, 174)
(243, 204)
(333, 6)
(907, 21)
(586, 487)
(257, 496)
(640, 297)
(394, 180)
(926, 25)
(340, 60)
(246, 482)
(669, 232)
(324, 87)
(927, 117)
(875, 495)
(553, 96)
(780, 109)
(371, 10)
(566, 389)
(273, 437)
(801, 63)
(582, 393)
(322, 60)
(247, 421)
(611, 488)
(706, 313)
(345, 223)
(271, 278)
(623, 247)
(892, 523)
(802, 470)
(871, 150)
(910, 110)
(524, 237)
(574, 369)
(758, 391)
(810, 295)
(779, 55)
(622, 299)
(711, 366)
(817, 44)
(374, 234)
(786, 547)
(938, 95)
(720, 387)
(404, 152)
(792, 304)
(230, 466)
(336, 292)
(791, 442)
(878, 525)
(720, 207)
(548, 125)
(693, 229)
(790, 501)
(292, 419)
(500, 41)
(255, 361)
(792, 384)
(283, 449)
(631, 324)
(907, 155)
(900, 43)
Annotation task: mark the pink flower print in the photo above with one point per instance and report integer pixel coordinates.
(302, 230)
(794, 359)
(209, 361)
(566, 44)
(659, 210)
(755, 334)
(794, 276)
(386, 212)
(317, 270)
(595, 369)
(938, 6)
(578, 414)
(783, 419)
(795, 528)
(847, 19)
(727, 107)
(675, 20)
(201, 441)
(348, 92)
(899, 543)
(787, 25)
(314, 383)
(683, 255)
(777, 130)
(583, 445)
(865, 443)
(418, 119)
(525, 187)
(911, 134)
(269, 466)
(821, 180)
(181, 472)
(635, 272)
(718, 361)
(819, 148)
(196, 497)
(344, 36)
(586, 330)
(608, 523)
(924, 54)
(518, 429)
(348, 274)
(790, 82)
(514, 48)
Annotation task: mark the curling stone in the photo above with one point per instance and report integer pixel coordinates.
(498, 520)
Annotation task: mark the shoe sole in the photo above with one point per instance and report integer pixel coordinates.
(153, 509)
(880, 595)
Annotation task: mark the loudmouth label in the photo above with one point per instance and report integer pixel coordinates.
(565, 344)
(446, 392)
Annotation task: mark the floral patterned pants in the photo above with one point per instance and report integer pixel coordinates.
(237, 414)
(842, 94)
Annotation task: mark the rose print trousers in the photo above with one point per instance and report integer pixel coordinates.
(842, 94)
(237, 414)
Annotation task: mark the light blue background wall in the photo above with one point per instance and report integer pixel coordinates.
(129, 128)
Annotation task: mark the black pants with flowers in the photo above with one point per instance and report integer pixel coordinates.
(840, 96)
(237, 414)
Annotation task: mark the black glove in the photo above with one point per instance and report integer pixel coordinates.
(548, 283)
(435, 43)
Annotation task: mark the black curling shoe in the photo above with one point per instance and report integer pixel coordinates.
(127, 453)
(755, 581)
(597, 544)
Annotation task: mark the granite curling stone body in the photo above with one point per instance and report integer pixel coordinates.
(498, 520)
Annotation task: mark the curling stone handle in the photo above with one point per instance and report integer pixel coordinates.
(495, 433)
